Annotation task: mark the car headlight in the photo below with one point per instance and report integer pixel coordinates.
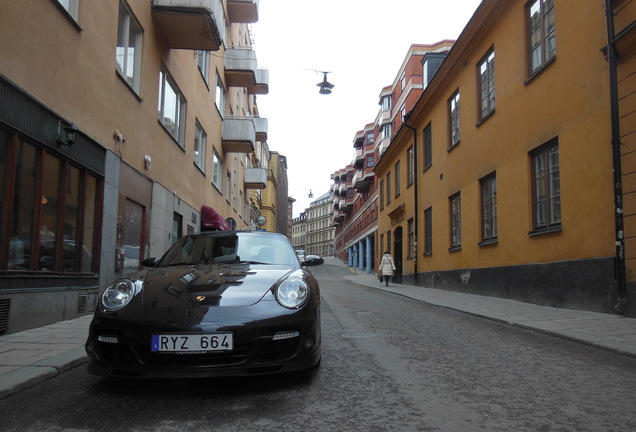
(118, 294)
(292, 293)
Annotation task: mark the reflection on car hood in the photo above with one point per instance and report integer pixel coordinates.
(210, 285)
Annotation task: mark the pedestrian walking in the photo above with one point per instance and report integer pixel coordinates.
(387, 267)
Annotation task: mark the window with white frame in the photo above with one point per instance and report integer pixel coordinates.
(386, 130)
(71, 6)
(219, 96)
(200, 144)
(171, 107)
(203, 62)
(217, 171)
(486, 70)
(128, 52)
(386, 103)
(453, 114)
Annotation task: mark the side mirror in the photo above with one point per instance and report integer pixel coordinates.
(150, 262)
(312, 260)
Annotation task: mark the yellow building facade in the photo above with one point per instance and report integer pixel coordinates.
(500, 181)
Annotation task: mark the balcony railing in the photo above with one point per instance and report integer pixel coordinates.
(190, 24)
(242, 11)
(238, 134)
(241, 70)
(255, 178)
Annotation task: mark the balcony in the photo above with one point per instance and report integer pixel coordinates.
(242, 11)
(261, 126)
(238, 134)
(358, 158)
(255, 178)
(190, 24)
(241, 70)
(363, 179)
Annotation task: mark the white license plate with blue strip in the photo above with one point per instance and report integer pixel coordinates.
(192, 342)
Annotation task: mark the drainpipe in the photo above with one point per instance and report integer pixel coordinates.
(415, 200)
(619, 260)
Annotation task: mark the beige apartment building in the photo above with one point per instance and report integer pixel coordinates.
(124, 125)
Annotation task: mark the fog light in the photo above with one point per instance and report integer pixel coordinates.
(309, 343)
(108, 339)
(285, 335)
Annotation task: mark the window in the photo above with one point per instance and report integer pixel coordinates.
(388, 241)
(386, 130)
(54, 219)
(411, 235)
(128, 51)
(370, 138)
(200, 144)
(234, 184)
(219, 97)
(397, 179)
(428, 231)
(386, 103)
(388, 188)
(228, 185)
(171, 107)
(453, 114)
(541, 34)
(381, 194)
(488, 187)
(410, 162)
(71, 6)
(428, 146)
(217, 170)
(203, 61)
(456, 221)
(370, 161)
(546, 186)
(487, 85)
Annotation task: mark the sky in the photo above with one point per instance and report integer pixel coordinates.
(362, 44)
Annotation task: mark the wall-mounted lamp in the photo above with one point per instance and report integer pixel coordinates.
(70, 136)
(310, 194)
(325, 86)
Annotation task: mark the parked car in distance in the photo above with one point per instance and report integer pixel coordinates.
(216, 304)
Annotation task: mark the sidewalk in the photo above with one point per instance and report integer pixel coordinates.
(32, 356)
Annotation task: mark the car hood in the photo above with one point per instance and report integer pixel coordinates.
(210, 285)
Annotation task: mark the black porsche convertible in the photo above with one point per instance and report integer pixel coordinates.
(216, 304)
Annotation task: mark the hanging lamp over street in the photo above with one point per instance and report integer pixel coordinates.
(325, 86)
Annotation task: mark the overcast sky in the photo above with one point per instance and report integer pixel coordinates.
(362, 43)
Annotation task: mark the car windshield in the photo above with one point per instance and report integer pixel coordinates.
(227, 247)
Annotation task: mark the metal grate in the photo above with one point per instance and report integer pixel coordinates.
(81, 304)
(4, 314)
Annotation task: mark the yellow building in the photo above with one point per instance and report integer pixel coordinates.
(500, 180)
(120, 122)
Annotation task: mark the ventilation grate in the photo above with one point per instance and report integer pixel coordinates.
(81, 304)
(4, 314)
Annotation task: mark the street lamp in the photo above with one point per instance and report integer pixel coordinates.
(325, 86)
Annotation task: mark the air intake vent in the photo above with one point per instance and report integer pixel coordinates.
(4, 314)
(81, 304)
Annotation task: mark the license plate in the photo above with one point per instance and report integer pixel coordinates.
(192, 342)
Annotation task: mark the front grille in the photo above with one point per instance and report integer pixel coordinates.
(272, 351)
(238, 355)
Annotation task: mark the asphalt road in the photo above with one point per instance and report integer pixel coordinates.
(389, 364)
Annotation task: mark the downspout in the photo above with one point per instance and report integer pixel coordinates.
(415, 200)
(619, 260)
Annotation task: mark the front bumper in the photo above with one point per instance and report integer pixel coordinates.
(255, 351)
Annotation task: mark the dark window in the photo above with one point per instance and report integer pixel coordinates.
(428, 146)
(546, 186)
(453, 119)
(456, 221)
(428, 231)
(488, 207)
(410, 166)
